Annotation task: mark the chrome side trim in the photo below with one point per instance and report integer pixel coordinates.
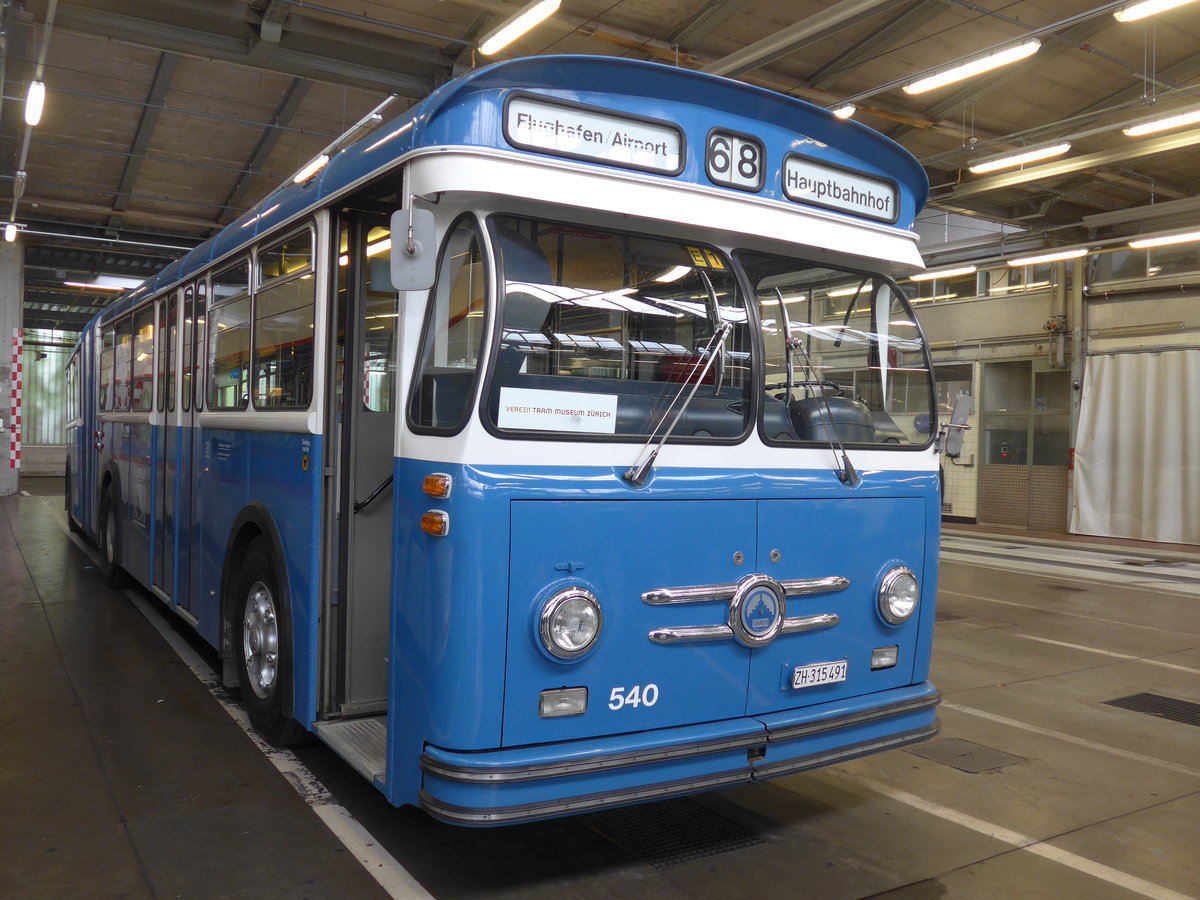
(706, 593)
(700, 593)
(686, 633)
(861, 718)
(502, 815)
(587, 766)
(798, 587)
(844, 754)
(800, 624)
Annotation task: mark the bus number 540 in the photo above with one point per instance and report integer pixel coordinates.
(636, 696)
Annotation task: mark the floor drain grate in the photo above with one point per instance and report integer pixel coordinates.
(671, 832)
(965, 755)
(1183, 711)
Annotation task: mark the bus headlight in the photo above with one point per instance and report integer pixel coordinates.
(570, 623)
(898, 595)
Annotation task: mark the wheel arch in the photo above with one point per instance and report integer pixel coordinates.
(255, 521)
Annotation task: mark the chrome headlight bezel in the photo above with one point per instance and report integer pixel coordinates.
(896, 608)
(548, 617)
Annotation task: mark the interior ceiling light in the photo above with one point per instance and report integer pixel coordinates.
(943, 273)
(1054, 256)
(1018, 159)
(1161, 241)
(1136, 11)
(973, 67)
(35, 102)
(530, 15)
(845, 112)
(1191, 117)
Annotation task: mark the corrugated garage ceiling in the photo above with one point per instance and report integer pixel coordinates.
(165, 119)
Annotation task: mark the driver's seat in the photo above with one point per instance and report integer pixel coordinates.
(832, 419)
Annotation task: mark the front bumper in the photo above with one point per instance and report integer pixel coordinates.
(499, 787)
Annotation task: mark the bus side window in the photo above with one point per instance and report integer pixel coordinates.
(229, 338)
(107, 347)
(454, 327)
(121, 370)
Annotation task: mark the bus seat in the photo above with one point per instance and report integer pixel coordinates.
(832, 418)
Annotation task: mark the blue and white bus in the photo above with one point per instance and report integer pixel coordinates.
(564, 443)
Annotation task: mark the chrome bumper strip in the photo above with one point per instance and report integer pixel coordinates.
(604, 762)
(686, 633)
(705, 593)
(501, 815)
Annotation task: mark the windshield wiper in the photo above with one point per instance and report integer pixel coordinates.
(636, 474)
(714, 318)
(846, 474)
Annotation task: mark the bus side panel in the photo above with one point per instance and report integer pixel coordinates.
(285, 477)
(928, 608)
(138, 476)
(220, 495)
(449, 618)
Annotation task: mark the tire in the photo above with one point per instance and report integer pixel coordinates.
(262, 631)
(110, 542)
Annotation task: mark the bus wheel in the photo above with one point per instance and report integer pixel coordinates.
(110, 542)
(263, 641)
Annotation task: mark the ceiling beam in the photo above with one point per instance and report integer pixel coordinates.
(163, 74)
(293, 96)
(788, 40)
(1135, 150)
(705, 21)
(883, 37)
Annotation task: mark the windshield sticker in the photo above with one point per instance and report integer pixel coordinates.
(537, 410)
(703, 258)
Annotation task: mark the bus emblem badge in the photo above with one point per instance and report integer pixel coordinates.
(757, 610)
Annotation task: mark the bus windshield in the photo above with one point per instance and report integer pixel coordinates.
(844, 358)
(601, 329)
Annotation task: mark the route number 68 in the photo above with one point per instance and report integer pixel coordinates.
(734, 160)
(638, 695)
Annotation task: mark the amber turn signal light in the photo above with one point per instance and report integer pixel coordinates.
(436, 522)
(438, 485)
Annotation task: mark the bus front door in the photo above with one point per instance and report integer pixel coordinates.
(359, 493)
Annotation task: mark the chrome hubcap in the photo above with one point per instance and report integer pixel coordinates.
(110, 539)
(260, 639)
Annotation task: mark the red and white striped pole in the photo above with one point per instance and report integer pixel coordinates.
(14, 440)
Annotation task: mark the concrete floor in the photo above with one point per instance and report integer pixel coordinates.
(122, 775)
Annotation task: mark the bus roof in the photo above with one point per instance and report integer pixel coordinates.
(796, 137)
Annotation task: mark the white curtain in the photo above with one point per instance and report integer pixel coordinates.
(1137, 459)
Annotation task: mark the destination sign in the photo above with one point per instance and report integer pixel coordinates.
(833, 187)
(581, 132)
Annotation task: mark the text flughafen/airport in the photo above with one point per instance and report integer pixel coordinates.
(581, 132)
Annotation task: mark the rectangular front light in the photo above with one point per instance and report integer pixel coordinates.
(884, 657)
(563, 702)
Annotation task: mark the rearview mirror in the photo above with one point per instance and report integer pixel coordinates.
(414, 261)
(957, 429)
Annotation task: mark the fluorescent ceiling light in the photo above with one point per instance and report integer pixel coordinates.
(1136, 11)
(1018, 159)
(87, 285)
(315, 165)
(10, 232)
(943, 273)
(1190, 117)
(1048, 257)
(35, 102)
(531, 14)
(974, 67)
(1162, 241)
(845, 112)
(845, 292)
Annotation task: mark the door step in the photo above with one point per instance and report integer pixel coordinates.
(360, 742)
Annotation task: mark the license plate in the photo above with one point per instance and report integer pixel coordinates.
(818, 673)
